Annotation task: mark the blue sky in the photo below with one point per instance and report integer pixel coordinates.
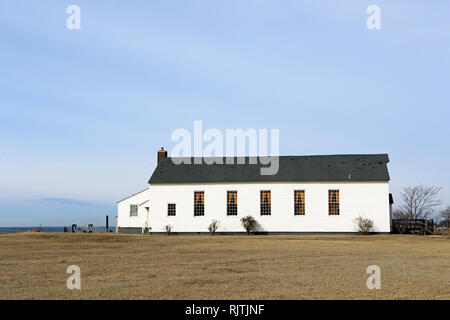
(83, 112)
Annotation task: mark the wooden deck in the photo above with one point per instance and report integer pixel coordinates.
(413, 226)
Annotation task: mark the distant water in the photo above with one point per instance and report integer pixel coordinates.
(50, 229)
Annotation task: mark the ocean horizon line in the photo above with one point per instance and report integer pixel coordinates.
(55, 229)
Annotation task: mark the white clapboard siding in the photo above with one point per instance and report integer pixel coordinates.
(369, 199)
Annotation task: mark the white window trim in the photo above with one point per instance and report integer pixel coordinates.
(300, 215)
(137, 211)
(328, 209)
(167, 209)
(226, 204)
(259, 196)
(204, 204)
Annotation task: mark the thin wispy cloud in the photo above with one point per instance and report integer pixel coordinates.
(68, 201)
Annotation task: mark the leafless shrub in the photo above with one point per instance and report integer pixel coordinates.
(248, 223)
(214, 225)
(168, 229)
(363, 225)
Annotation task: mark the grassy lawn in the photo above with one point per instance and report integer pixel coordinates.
(114, 266)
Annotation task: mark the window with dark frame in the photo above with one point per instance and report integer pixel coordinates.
(299, 202)
(133, 210)
(231, 203)
(171, 209)
(265, 203)
(333, 202)
(199, 203)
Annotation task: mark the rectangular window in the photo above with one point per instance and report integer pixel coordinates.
(333, 202)
(199, 203)
(265, 203)
(171, 209)
(299, 202)
(231, 203)
(133, 210)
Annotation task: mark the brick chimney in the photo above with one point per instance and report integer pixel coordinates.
(162, 154)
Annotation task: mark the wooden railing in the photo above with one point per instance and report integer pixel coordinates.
(418, 226)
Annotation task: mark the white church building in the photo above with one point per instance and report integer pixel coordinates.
(309, 194)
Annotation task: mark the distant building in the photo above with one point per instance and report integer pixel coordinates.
(308, 194)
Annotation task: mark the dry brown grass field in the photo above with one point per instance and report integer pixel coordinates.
(113, 266)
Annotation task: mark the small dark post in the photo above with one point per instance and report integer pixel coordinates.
(107, 228)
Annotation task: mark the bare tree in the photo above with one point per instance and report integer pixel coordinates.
(445, 215)
(398, 214)
(419, 201)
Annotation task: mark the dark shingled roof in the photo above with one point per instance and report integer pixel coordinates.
(348, 167)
